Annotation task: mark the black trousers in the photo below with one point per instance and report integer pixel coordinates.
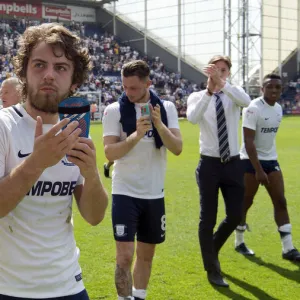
(212, 175)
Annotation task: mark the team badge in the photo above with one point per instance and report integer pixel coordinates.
(120, 230)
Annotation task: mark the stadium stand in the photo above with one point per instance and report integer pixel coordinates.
(108, 56)
(290, 101)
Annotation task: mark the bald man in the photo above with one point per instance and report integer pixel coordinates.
(10, 92)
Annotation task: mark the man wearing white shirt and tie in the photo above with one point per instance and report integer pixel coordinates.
(217, 111)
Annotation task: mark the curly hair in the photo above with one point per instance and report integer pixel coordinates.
(54, 35)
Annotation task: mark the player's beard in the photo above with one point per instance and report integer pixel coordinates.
(45, 102)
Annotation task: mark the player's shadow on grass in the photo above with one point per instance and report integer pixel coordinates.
(229, 293)
(254, 290)
(291, 275)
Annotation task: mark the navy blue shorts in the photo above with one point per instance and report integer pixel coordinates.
(141, 217)
(268, 166)
(80, 296)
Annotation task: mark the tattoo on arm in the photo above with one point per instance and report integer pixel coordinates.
(123, 280)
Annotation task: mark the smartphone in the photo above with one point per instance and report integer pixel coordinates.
(76, 109)
(145, 110)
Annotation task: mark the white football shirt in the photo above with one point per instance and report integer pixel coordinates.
(38, 253)
(265, 120)
(141, 172)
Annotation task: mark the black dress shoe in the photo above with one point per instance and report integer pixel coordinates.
(216, 278)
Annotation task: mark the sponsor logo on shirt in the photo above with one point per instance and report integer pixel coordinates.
(21, 155)
(269, 130)
(149, 133)
(57, 188)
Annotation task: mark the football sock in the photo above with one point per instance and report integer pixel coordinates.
(286, 237)
(239, 234)
(139, 294)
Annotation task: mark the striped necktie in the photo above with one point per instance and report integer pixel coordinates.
(222, 130)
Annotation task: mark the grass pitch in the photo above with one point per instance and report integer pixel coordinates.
(177, 272)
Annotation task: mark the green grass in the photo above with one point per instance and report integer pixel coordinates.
(177, 269)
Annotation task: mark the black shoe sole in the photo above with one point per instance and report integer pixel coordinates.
(292, 260)
(245, 254)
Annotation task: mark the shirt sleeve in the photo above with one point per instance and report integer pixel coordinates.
(236, 94)
(250, 117)
(80, 180)
(197, 104)
(172, 114)
(111, 120)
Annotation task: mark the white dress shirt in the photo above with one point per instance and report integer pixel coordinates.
(201, 109)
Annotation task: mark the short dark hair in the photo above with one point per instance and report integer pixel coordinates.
(137, 68)
(54, 35)
(224, 58)
(272, 76)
